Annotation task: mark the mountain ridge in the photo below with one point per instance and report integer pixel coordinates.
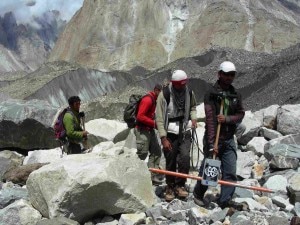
(151, 34)
(25, 47)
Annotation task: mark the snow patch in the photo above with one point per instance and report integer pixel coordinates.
(178, 14)
(251, 22)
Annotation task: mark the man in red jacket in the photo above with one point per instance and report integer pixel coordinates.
(146, 139)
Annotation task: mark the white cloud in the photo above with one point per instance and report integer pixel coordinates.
(25, 9)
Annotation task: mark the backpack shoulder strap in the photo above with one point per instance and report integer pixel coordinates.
(68, 110)
(167, 93)
(152, 98)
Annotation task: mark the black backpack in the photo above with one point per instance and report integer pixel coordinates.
(131, 109)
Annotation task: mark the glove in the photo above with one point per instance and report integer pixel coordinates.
(81, 114)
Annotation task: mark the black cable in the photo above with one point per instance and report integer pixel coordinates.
(195, 142)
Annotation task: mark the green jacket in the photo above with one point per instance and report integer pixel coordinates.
(72, 125)
(161, 115)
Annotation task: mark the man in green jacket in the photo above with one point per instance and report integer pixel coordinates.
(175, 116)
(71, 120)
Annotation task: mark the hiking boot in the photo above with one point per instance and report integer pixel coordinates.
(181, 192)
(155, 180)
(169, 195)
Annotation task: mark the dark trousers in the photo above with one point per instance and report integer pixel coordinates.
(72, 148)
(227, 155)
(178, 158)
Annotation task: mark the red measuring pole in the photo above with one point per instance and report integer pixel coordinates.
(221, 182)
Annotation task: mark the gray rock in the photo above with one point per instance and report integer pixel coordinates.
(256, 145)
(283, 156)
(292, 139)
(280, 202)
(281, 162)
(91, 179)
(43, 156)
(155, 212)
(269, 134)
(276, 220)
(19, 212)
(270, 116)
(218, 214)
(9, 160)
(197, 216)
(57, 221)
(252, 204)
(253, 126)
(277, 183)
(294, 188)
(19, 175)
(128, 219)
(288, 121)
(245, 163)
(27, 125)
(10, 195)
(297, 208)
(242, 192)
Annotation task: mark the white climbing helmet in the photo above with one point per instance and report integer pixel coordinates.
(227, 66)
(178, 75)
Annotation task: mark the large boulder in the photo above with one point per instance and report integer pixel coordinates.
(44, 156)
(86, 185)
(107, 129)
(27, 124)
(288, 119)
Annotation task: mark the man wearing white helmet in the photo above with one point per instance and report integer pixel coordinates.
(233, 113)
(175, 116)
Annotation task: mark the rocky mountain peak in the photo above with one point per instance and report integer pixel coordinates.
(24, 47)
(150, 34)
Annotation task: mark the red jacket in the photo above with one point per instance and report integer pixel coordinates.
(146, 112)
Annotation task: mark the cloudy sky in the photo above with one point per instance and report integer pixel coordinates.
(25, 9)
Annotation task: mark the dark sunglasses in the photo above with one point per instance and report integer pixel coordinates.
(229, 74)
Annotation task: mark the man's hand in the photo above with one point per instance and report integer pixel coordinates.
(194, 123)
(166, 144)
(81, 114)
(85, 133)
(221, 118)
(213, 151)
